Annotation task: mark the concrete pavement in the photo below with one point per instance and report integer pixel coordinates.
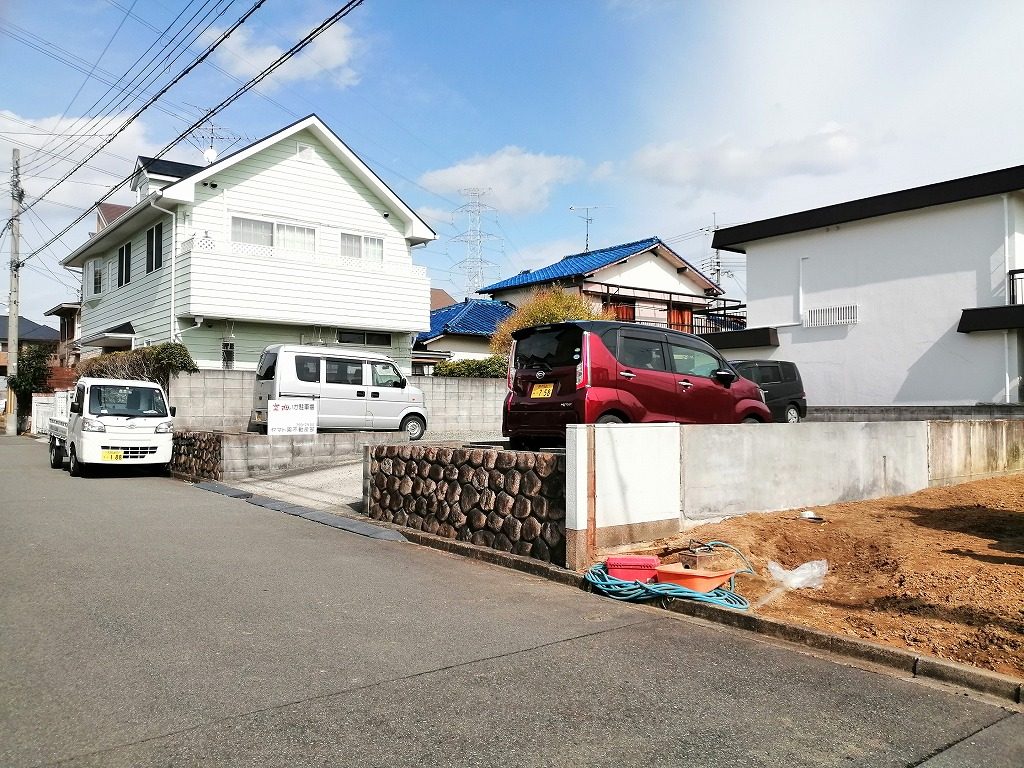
(146, 622)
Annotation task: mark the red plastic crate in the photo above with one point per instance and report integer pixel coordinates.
(633, 567)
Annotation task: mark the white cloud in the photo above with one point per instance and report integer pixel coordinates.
(603, 171)
(329, 57)
(436, 217)
(730, 165)
(519, 181)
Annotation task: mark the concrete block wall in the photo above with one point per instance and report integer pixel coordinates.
(981, 412)
(459, 404)
(222, 400)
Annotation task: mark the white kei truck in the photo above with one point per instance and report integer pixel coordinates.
(107, 422)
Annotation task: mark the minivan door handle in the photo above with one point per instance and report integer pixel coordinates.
(360, 393)
(685, 384)
(375, 394)
(627, 374)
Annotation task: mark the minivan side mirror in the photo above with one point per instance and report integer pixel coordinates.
(403, 383)
(172, 410)
(76, 407)
(724, 377)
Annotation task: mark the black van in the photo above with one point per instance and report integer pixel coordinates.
(782, 385)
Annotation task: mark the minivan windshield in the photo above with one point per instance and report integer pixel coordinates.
(549, 348)
(127, 400)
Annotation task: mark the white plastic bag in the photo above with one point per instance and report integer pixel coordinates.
(810, 575)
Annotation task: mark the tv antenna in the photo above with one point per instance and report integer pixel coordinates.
(213, 140)
(587, 218)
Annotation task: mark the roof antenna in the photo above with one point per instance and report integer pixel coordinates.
(587, 218)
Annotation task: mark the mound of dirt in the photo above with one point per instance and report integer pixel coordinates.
(940, 572)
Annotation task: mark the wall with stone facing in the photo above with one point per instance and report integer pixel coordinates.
(197, 455)
(509, 500)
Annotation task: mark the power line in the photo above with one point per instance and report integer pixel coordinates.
(312, 35)
(195, 63)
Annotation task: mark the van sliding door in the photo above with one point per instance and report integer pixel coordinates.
(343, 396)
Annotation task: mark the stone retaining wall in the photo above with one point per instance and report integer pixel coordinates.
(507, 500)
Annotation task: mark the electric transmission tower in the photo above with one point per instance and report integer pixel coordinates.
(474, 266)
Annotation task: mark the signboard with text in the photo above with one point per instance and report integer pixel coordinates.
(292, 416)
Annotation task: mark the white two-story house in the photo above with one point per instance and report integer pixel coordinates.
(911, 298)
(292, 239)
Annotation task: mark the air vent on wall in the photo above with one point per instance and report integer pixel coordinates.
(821, 317)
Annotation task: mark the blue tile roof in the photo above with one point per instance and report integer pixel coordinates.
(575, 265)
(472, 317)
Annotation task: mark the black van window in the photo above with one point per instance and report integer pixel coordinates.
(695, 362)
(789, 372)
(342, 371)
(267, 367)
(635, 352)
(551, 348)
(307, 368)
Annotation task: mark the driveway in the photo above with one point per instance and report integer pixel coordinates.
(149, 623)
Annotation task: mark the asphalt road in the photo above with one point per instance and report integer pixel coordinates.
(149, 623)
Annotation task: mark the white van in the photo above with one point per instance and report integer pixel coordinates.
(355, 389)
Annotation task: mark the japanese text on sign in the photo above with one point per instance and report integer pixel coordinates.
(292, 416)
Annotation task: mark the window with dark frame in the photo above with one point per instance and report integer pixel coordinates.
(364, 338)
(124, 264)
(344, 371)
(154, 248)
(97, 277)
(227, 355)
(307, 369)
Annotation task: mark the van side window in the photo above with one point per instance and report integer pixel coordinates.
(641, 353)
(693, 362)
(307, 368)
(769, 373)
(342, 371)
(385, 375)
(788, 372)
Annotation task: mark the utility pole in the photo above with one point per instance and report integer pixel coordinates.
(17, 195)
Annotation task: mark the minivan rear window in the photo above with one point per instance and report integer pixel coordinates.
(267, 367)
(550, 347)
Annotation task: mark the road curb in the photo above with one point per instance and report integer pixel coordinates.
(904, 661)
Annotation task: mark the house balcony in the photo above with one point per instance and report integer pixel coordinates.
(1005, 317)
(691, 313)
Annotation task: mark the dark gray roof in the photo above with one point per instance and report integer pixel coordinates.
(161, 167)
(29, 331)
(954, 191)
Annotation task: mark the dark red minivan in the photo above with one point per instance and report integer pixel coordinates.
(601, 372)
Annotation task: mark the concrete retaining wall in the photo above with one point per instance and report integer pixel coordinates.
(235, 456)
(730, 469)
(959, 451)
(222, 400)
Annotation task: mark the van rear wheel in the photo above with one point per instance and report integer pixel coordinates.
(610, 418)
(792, 414)
(414, 427)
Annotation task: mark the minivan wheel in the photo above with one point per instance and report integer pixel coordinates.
(610, 418)
(414, 426)
(751, 420)
(792, 414)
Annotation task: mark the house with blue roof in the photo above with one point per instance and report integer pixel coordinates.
(459, 331)
(642, 282)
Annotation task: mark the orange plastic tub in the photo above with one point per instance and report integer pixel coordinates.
(693, 578)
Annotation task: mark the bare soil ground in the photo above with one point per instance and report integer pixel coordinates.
(940, 572)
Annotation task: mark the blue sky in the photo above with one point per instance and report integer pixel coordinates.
(666, 115)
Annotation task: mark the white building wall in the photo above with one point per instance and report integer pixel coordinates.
(651, 272)
(462, 347)
(319, 288)
(910, 274)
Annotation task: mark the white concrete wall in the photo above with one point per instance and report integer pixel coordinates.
(732, 469)
(651, 272)
(636, 474)
(462, 347)
(911, 274)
